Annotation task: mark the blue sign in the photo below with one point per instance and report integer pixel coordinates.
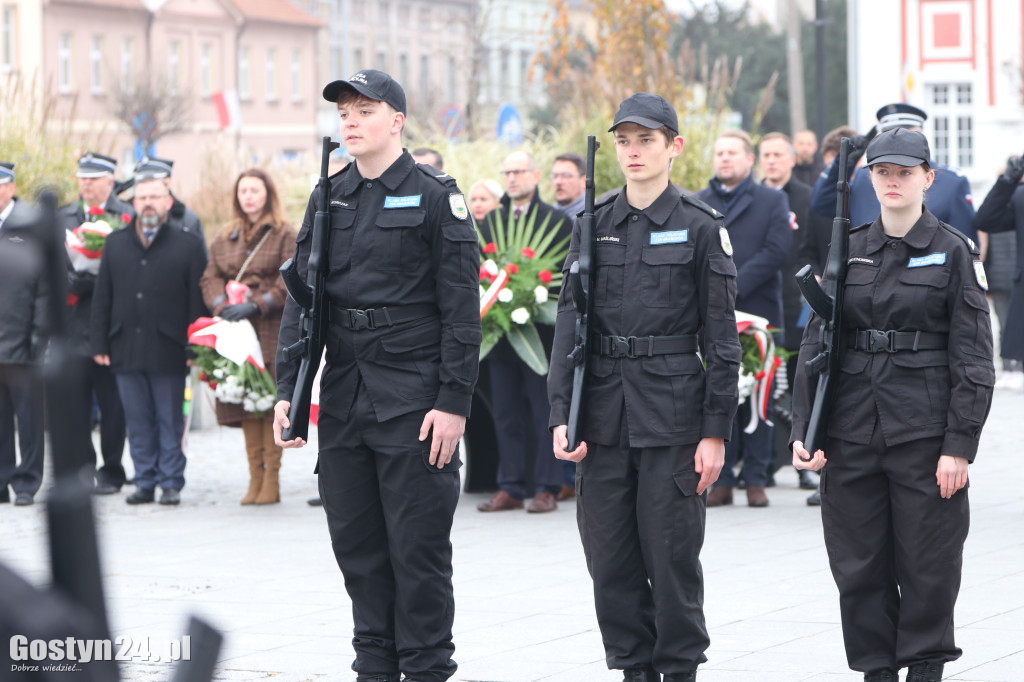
(510, 125)
(452, 122)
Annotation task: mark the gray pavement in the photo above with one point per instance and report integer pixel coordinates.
(524, 611)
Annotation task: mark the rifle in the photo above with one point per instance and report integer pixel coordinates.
(581, 274)
(827, 303)
(311, 297)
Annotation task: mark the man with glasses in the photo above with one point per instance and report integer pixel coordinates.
(569, 177)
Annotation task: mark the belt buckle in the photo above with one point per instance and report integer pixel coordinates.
(623, 346)
(361, 319)
(879, 341)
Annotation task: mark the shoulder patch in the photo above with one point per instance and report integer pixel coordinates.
(966, 240)
(439, 176)
(457, 203)
(979, 274)
(723, 236)
(697, 203)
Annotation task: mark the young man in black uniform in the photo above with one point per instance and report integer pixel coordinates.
(655, 419)
(402, 352)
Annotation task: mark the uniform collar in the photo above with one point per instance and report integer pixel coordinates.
(919, 236)
(657, 213)
(391, 178)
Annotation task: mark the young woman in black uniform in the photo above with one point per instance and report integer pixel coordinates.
(913, 393)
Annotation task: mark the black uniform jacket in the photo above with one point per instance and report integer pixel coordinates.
(145, 299)
(1003, 211)
(663, 271)
(24, 288)
(403, 239)
(930, 281)
(79, 315)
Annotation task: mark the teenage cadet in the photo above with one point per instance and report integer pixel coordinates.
(655, 419)
(402, 352)
(914, 391)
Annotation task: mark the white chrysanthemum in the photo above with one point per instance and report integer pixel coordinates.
(541, 294)
(491, 267)
(520, 315)
(218, 373)
(505, 296)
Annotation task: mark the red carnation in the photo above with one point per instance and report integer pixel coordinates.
(545, 276)
(528, 252)
(512, 268)
(490, 248)
(95, 210)
(203, 376)
(125, 218)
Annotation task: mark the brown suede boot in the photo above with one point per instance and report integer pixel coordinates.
(270, 492)
(253, 431)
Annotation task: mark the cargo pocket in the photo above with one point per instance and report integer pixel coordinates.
(610, 261)
(687, 517)
(679, 383)
(340, 248)
(452, 467)
(460, 256)
(923, 290)
(922, 374)
(462, 357)
(664, 274)
(409, 358)
(400, 245)
(983, 378)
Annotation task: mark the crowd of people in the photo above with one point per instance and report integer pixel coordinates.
(664, 435)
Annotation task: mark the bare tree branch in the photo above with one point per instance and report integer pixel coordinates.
(151, 110)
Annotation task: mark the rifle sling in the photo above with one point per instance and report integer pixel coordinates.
(643, 346)
(890, 341)
(373, 318)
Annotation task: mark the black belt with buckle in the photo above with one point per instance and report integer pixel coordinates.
(374, 318)
(644, 346)
(890, 341)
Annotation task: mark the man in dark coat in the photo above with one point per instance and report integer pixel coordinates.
(96, 201)
(757, 218)
(147, 293)
(519, 395)
(25, 321)
(180, 216)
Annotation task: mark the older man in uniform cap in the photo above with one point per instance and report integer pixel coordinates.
(402, 349)
(180, 215)
(23, 327)
(949, 198)
(96, 201)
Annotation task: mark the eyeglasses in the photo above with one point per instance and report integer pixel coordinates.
(565, 176)
(515, 171)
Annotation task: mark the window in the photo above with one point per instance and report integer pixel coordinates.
(296, 76)
(173, 66)
(127, 50)
(951, 123)
(205, 69)
(357, 56)
(271, 74)
(403, 68)
(96, 65)
(337, 70)
(243, 73)
(382, 61)
(7, 39)
(64, 62)
(425, 77)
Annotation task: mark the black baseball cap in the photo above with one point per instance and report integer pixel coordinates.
(647, 110)
(899, 146)
(370, 83)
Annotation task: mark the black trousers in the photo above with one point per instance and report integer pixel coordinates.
(21, 402)
(95, 380)
(389, 514)
(896, 551)
(642, 526)
(521, 410)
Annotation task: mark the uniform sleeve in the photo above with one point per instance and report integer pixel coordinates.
(804, 384)
(720, 343)
(559, 374)
(287, 372)
(456, 265)
(996, 213)
(774, 251)
(971, 370)
(961, 211)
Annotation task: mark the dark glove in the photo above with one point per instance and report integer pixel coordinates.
(1014, 169)
(233, 313)
(859, 143)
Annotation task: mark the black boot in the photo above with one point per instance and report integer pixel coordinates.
(640, 675)
(681, 677)
(925, 672)
(883, 675)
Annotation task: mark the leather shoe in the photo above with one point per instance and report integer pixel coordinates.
(501, 501)
(315, 501)
(566, 493)
(640, 675)
(170, 496)
(814, 499)
(681, 677)
(141, 496)
(808, 481)
(103, 488)
(542, 503)
(719, 496)
(883, 675)
(925, 672)
(756, 496)
(23, 499)
(5, 496)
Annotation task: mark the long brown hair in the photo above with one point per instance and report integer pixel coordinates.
(273, 215)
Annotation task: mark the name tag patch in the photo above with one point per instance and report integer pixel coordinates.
(931, 259)
(857, 259)
(608, 238)
(402, 202)
(672, 237)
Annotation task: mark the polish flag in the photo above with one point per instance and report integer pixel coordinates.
(229, 113)
(314, 407)
(236, 341)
